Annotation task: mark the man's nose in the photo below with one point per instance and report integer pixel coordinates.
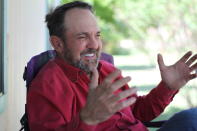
(93, 43)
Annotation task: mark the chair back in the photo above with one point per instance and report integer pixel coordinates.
(38, 61)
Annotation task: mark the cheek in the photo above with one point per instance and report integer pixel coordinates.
(100, 45)
(76, 46)
(78, 50)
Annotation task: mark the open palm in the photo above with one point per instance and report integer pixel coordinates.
(177, 75)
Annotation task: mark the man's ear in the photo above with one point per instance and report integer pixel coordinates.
(57, 43)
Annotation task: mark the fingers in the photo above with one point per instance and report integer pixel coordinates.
(124, 104)
(160, 62)
(127, 93)
(193, 67)
(192, 76)
(119, 83)
(115, 102)
(122, 95)
(94, 79)
(186, 56)
(110, 84)
(110, 78)
(191, 60)
(107, 81)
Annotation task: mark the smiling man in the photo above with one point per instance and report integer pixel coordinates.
(77, 92)
(82, 43)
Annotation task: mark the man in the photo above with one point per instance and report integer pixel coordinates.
(77, 92)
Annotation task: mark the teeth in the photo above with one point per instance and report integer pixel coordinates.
(89, 55)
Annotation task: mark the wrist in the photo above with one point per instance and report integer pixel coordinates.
(86, 118)
(170, 87)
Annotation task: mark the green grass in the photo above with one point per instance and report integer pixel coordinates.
(146, 76)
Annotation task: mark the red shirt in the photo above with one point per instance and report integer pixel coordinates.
(59, 92)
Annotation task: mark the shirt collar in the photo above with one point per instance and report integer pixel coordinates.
(71, 72)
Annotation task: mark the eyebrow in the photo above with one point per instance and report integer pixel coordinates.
(81, 33)
(85, 33)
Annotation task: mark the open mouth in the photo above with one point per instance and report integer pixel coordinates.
(89, 56)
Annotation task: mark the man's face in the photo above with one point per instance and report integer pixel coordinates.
(82, 39)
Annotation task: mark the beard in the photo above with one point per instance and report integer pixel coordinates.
(87, 65)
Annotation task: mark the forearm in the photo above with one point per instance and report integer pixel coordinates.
(153, 104)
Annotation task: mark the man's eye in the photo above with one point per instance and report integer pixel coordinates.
(98, 35)
(81, 37)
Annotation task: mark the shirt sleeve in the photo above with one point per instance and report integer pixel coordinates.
(147, 107)
(50, 109)
(153, 104)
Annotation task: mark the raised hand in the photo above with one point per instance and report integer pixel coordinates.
(177, 75)
(102, 103)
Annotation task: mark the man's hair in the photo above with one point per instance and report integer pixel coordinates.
(55, 19)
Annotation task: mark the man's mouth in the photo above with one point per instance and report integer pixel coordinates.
(89, 56)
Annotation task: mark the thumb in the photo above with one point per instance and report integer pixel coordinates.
(94, 79)
(160, 62)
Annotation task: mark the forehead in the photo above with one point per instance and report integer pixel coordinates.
(80, 20)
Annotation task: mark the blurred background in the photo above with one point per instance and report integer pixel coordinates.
(133, 31)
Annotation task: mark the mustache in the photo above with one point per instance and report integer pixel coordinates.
(89, 51)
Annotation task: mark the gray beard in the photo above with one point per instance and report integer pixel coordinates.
(79, 63)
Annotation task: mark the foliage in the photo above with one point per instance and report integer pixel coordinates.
(149, 23)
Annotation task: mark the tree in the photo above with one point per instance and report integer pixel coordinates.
(155, 23)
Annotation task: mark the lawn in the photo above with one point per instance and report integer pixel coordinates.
(145, 76)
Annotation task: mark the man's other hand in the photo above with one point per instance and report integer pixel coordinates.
(177, 75)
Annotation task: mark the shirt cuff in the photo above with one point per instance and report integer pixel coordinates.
(163, 91)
